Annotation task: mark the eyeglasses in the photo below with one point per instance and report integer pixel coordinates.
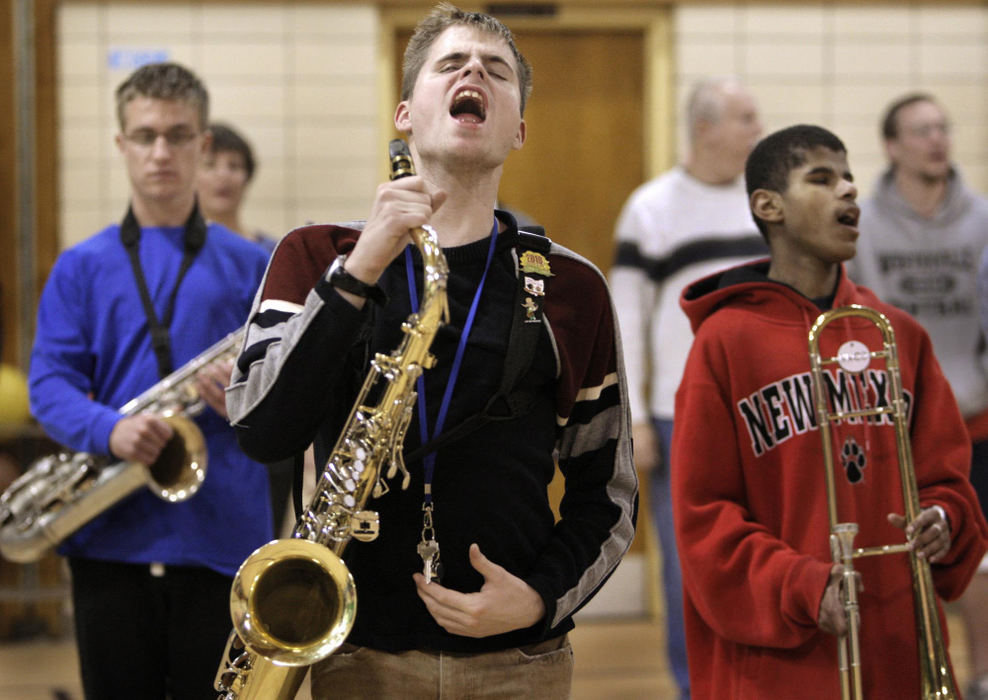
(924, 131)
(175, 138)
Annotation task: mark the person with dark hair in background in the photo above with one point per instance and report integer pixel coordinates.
(923, 233)
(224, 175)
(495, 623)
(763, 598)
(682, 225)
(120, 311)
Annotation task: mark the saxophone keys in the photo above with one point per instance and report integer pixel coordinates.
(366, 525)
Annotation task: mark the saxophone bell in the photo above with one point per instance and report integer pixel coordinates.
(293, 601)
(60, 493)
(180, 469)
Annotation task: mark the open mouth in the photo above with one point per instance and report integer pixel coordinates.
(468, 107)
(849, 217)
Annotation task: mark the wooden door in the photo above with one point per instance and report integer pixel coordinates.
(584, 151)
(583, 156)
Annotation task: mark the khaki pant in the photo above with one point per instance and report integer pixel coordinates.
(543, 670)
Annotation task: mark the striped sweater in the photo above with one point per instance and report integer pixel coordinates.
(305, 356)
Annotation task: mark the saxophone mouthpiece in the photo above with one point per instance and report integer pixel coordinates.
(401, 159)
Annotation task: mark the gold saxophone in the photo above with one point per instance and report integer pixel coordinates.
(60, 493)
(293, 601)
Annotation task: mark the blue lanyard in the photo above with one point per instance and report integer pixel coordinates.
(429, 460)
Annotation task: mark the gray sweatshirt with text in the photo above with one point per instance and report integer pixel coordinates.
(928, 267)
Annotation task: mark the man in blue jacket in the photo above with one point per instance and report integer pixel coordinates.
(151, 579)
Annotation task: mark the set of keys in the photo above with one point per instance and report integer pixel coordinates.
(428, 548)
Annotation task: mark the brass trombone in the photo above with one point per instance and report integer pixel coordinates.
(936, 679)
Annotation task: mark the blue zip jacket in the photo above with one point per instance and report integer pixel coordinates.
(92, 354)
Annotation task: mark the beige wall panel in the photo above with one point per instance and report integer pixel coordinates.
(867, 145)
(707, 20)
(241, 21)
(267, 138)
(76, 100)
(268, 101)
(87, 218)
(76, 56)
(703, 58)
(255, 61)
(874, 60)
(352, 99)
(958, 57)
(865, 100)
(339, 142)
(872, 21)
(790, 98)
(313, 180)
(78, 21)
(937, 18)
(977, 173)
(129, 20)
(79, 190)
(344, 20)
(784, 21)
(970, 142)
(351, 59)
(967, 102)
(78, 143)
(768, 57)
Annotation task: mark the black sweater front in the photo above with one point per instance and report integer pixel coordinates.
(490, 487)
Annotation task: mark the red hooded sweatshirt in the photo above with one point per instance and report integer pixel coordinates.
(750, 500)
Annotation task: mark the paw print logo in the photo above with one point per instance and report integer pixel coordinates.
(852, 457)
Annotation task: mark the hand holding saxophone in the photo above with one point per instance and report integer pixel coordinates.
(139, 438)
(399, 206)
(928, 534)
(211, 385)
(503, 604)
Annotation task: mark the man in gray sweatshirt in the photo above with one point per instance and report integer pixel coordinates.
(922, 236)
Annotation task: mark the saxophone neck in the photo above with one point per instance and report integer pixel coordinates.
(176, 391)
(435, 271)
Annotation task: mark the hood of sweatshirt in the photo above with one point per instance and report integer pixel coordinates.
(956, 202)
(748, 286)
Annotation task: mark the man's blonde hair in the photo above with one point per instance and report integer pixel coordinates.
(444, 16)
(164, 81)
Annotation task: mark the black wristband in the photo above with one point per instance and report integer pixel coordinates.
(341, 279)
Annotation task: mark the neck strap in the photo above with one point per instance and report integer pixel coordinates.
(512, 399)
(194, 239)
(429, 461)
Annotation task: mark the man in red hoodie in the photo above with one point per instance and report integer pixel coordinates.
(762, 594)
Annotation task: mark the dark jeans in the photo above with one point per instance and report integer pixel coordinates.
(146, 636)
(672, 582)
